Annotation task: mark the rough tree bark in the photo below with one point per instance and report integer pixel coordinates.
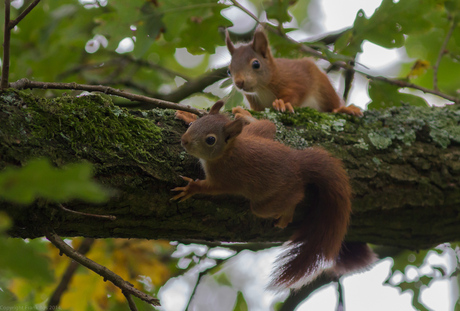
(404, 165)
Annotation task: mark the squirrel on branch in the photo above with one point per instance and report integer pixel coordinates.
(280, 83)
(283, 83)
(241, 157)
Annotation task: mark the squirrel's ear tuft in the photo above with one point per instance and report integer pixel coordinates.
(228, 41)
(260, 43)
(233, 129)
(216, 107)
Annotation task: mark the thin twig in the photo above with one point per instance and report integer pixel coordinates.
(296, 297)
(402, 83)
(153, 102)
(6, 47)
(238, 5)
(111, 217)
(99, 269)
(219, 262)
(13, 23)
(131, 304)
(55, 298)
(442, 52)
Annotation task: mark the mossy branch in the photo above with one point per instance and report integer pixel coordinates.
(403, 163)
(158, 103)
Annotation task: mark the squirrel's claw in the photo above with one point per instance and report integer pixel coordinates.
(280, 105)
(185, 193)
(187, 179)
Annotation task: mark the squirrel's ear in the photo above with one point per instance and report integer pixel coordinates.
(216, 107)
(228, 41)
(233, 128)
(260, 42)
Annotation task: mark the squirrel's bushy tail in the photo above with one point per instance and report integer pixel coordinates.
(317, 244)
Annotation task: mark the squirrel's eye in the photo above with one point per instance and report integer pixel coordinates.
(255, 64)
(229, 72)
(211, 140)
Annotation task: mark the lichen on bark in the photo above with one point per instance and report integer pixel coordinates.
(403, 163)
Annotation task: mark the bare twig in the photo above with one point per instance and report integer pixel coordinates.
(402, 83)
(7, 36)
(296, 297)
(453, 24)
(55, 298)
(125, 286)
(111, 217)
(191, 87)
(6, 47)
(219, 262)
(153, 102)
(195, 85)
(242, 8)
(131, 304)
(154, 66)
(21, 16)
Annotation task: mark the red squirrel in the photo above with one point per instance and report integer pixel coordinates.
(241, 157)
(278, 82)
(283, 83)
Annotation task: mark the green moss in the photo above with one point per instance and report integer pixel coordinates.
(86, 123)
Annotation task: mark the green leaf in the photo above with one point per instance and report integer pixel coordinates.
(278, 9)
(25, 259)
(234, 99)
(222, 279)
(5, 222)
(408, 258)
(39, 179)
(241, 304)
(384, 95)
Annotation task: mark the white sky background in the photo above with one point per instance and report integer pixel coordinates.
(363, 291)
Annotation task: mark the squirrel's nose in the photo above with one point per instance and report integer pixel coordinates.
(239, 83)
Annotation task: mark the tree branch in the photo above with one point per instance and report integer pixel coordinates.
(195, 85)
(403, 167)
(129, 299)
(125, 286)
(402, 83)
(152, 102)
(6, 47)
(442, 51)
(110, 217)
(13, 23)
(55, 298)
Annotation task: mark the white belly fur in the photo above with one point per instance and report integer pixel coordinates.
(265, 98)
(312, 102)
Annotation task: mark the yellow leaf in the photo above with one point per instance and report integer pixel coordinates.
(419, 68)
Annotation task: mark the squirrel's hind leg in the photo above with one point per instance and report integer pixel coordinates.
(281, 207)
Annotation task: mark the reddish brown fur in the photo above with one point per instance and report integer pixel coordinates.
(296, 81)
(245, 160)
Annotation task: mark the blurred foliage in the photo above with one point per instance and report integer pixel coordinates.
(79, 41)
(415, 271)
(152, 47)
(39, 179)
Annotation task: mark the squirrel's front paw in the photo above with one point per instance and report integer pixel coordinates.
(186, 192)
(280, 105)
(185, 116)
(351, 110)
(240, 112)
